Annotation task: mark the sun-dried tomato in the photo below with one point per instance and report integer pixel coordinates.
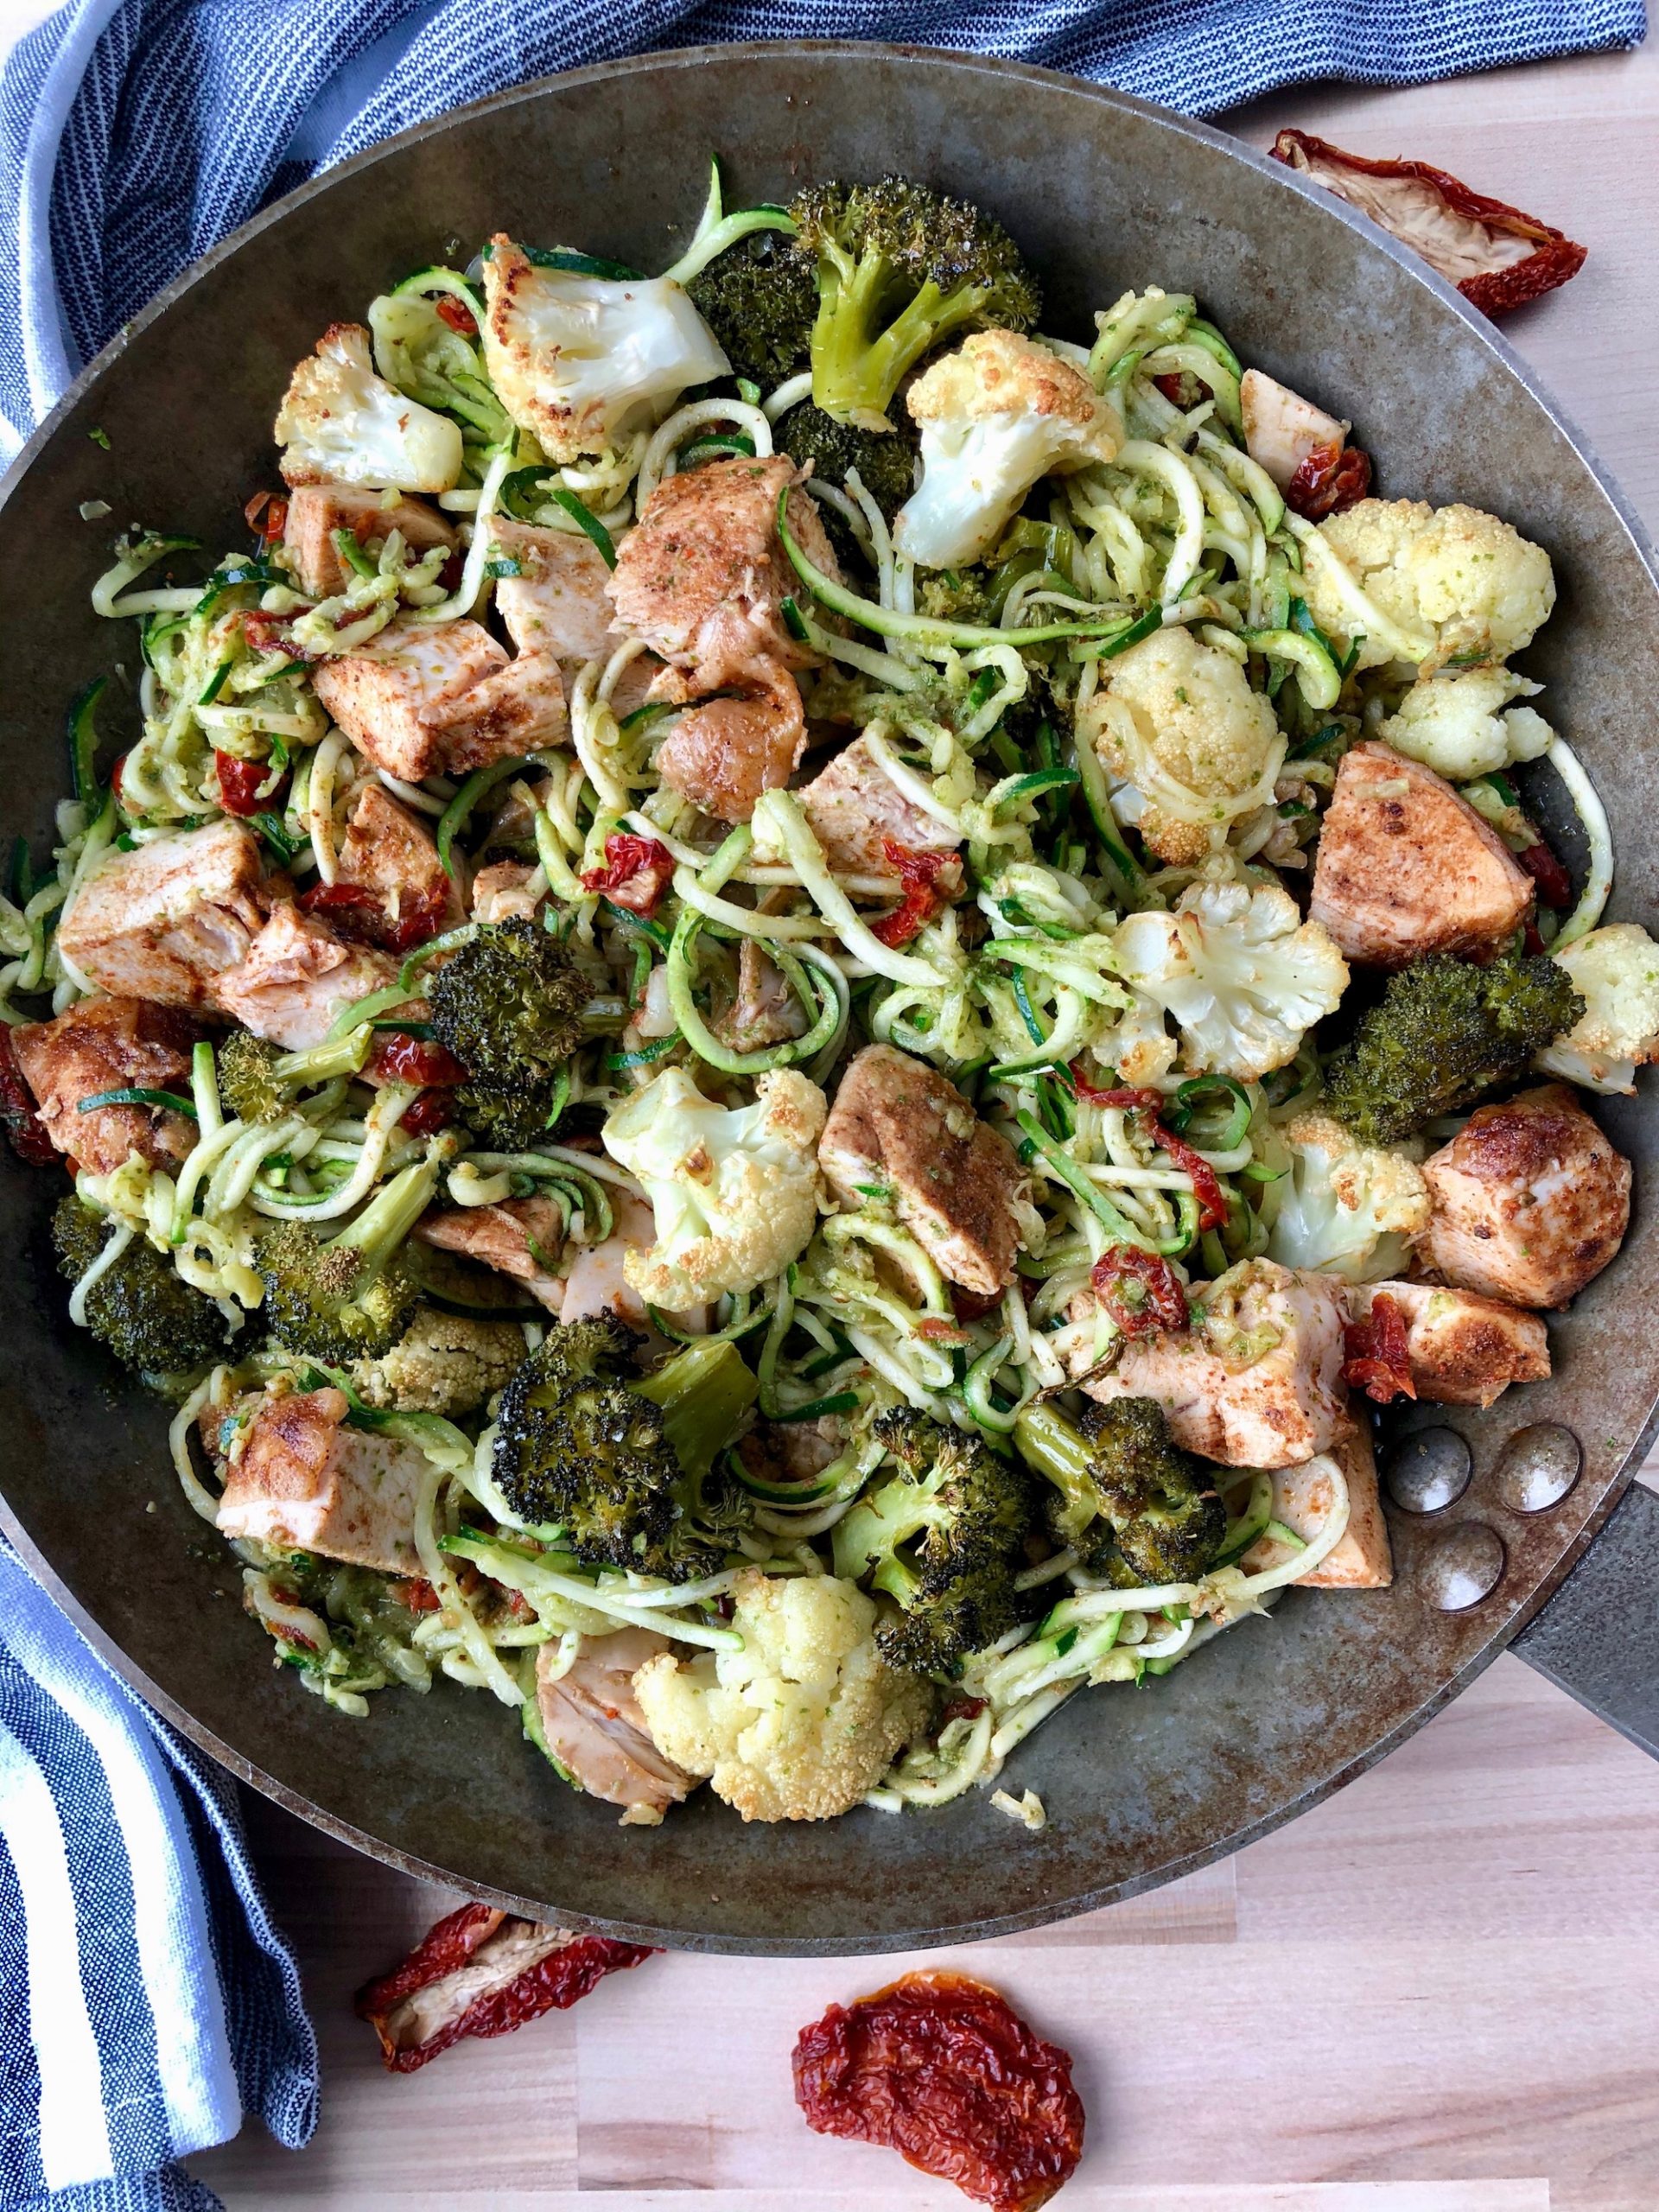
(1378, 1360)
(1179, 388)
(1206, 1184)
(1329, 480)
(635, 873)
(398, 1057)
(1544, 867)
(937, 1331)
(363, 916)
(240, 783)
(272, 633)
(1140, 1290)
(458, 316)
(561, 1967)
(962, 1708)
(450, 574)
(1121, 1094)
(17, 1110)
(919, 873)
(972, 1305)
(1496, 257)
(266, 515)
(417, 1596)
(943, 2071)
(115, 776)
(431, 1111)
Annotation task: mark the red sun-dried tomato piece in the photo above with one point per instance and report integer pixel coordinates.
(972, 1305)
(398, 1057)
(483, 1972)
(1378, 1362)
(458, 316)
(923, 897)
(1123, 1095)
(22, 1121)
(266, 515)
(431, 1111)
(635, 873)
(1206, 1184)
(239, 783)
(1543, 865)
(1329, 480)
(272, 633)
(1140, 1290)
(943, 2071)
(363, 916)
(418, 1595)
(1179, 388)
(1496, 257)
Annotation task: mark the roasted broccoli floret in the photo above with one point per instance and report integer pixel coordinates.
(886, 465)
(1132, 1504)
(1444, 1032)
(248, 1088)
(943, 1537)
(351, 1296)
(900, 268)
(623, 1466)
(760, 299)
(140, 1307)
(509, 1006)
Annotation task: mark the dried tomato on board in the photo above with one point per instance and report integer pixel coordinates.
(941, 2069)
(483, 1972)
(1140, 1290)
(458, 316)
(17, 1110)
(1327, 481)
(637, 871)
(1496, 257)
(1378, 1362)
(240, 783)
(919, 873)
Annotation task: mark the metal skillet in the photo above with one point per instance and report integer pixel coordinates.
(1487, 1512)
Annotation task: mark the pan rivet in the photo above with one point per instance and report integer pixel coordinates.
(1429, 1471)
(1464, 1568)
(1539, 1467)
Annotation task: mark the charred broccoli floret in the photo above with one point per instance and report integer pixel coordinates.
(1125, 1497)
(622, 1466)
(943, 1537)
(1444, 1032)
(760, 299)
(509, 1006)
(140, 1307)
(245, 1066)
(900, 268)
(885, 466)
(351, 1296)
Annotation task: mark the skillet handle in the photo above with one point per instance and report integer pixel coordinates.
(1599, 1635)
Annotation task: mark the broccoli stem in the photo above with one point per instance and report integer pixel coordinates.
(855, 372)
(704, 1391)
(344, 1056)
(1059, 1452)
(387, 1219)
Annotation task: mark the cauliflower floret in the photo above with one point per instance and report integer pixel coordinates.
(995, 416)
(1617, 970)
(1345, 1208)
(1245, 976)
(1178, 722)
(734, 1191)
(445, 1363)
(800, 1723)
(1455, 723)
(578, 361)
(1451, 583)
(1138, 1045)
(339, 424)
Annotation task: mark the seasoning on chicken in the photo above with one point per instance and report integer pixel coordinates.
(1405, 867)
(1462, 1349)
(502, 893)
(1531, 1200)
(297, 977)
(1256, 1381)
(300, 1478)
(442, 699)
(855, 811)
(521, 1237)
(593, 1729)
(1302, 1499)
(316, 512)
(390, 855)
(166, 920)
(898, 1127)
(722, 754)
(116, 1043)
(556, 602)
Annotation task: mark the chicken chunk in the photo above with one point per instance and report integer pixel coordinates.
(1405, 867)
(595, 1281)
(1302, 1497)
(721, 755)
(501, 892)
(855, 809)
(316, 512)
(109, 1044)
(521, 1238)
(445, 699)
(1531, 1200)
(557, 603)
(304, 1481)
(702, 576)
(1282, 429)
(595, 1732)
(899, 1128)
(391, 854)
(167, 919)
(297, 978)
(1256, 1381)
(1463, 1350)
(765, 1011)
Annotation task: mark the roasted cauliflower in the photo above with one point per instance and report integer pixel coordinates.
(340, 424)
(1615, 969)
(1456, 723)
(1343, 1208)
(803, 1721)
(1435, 585)
(445, 1363)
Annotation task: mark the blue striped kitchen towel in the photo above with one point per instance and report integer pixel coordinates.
(146, 2000)
(134, 134)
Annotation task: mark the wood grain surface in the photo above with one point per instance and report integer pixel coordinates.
(1435, 1993)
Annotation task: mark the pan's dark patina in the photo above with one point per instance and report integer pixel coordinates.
(1103, 192)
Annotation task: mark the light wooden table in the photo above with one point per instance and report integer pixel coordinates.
(1437, 1993)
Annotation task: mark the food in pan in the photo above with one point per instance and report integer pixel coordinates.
(779, 1015)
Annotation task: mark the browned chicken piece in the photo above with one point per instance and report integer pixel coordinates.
(724, 753)
(703, 576)
(521, 1237)
(167, 919)
(854, 810)
(305, 1481)
(594, 1282)
(442, 700)
(557, 603)
(1464, 1349)
(1256, 1381)
(1530, 1201)
(316, 512)
(1405, 867)
(594, 1729)
(500, 892)
(109, 1044)
(297, 977)
(765, 1011)
(1302, 1497)
(391, 854)
(899, 1127)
